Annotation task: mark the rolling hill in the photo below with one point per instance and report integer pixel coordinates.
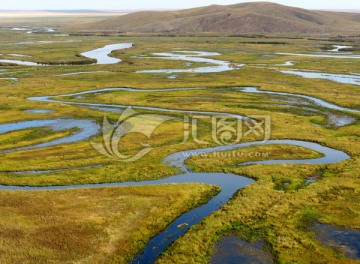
(252, 17)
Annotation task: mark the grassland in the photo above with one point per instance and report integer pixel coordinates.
(106, 227)
(89, 226)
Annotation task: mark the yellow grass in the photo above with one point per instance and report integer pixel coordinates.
(89, 225)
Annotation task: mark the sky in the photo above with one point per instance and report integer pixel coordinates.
(161, 4)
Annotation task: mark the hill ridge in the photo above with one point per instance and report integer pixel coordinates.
(249, 17)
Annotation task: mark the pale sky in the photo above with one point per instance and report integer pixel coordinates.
(161, 4)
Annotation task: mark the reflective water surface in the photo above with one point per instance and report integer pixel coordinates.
(102, 54)
(341, 78)
(194, 56)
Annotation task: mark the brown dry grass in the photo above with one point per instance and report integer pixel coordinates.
(242, 18)
(89, 225)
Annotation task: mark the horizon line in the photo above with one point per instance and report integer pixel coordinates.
(137, 9)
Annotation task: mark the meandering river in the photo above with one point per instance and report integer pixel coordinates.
(194, 56)
(341, 78)
(101, 55)
(229, 183)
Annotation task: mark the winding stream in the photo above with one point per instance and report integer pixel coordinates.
(78, 73)
(228, 182)
(39, 111)
(315, 100)
(50, 99)
(341, 78)
(14, 80)
(86, 129)
(338, 48)
(101, 55)
(20, 62)
(286, 63)
(333, 56)
(194, 56)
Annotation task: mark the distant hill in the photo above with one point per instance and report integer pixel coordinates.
(77, 11)
(343, 10)
(252, 17)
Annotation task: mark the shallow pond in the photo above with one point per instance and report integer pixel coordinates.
(343, 240)
(233, 250)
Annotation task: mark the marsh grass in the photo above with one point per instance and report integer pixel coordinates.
(30, 137)
(107, 225)
(89, 220)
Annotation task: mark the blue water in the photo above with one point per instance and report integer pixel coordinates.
(102, 54)
(345, 240)
(229, 183)
(86, 129)
(332, 56)
(194, 56)
(20, 62)
(341, 78)
(313, 99)
(39, 111)
(49, 99)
